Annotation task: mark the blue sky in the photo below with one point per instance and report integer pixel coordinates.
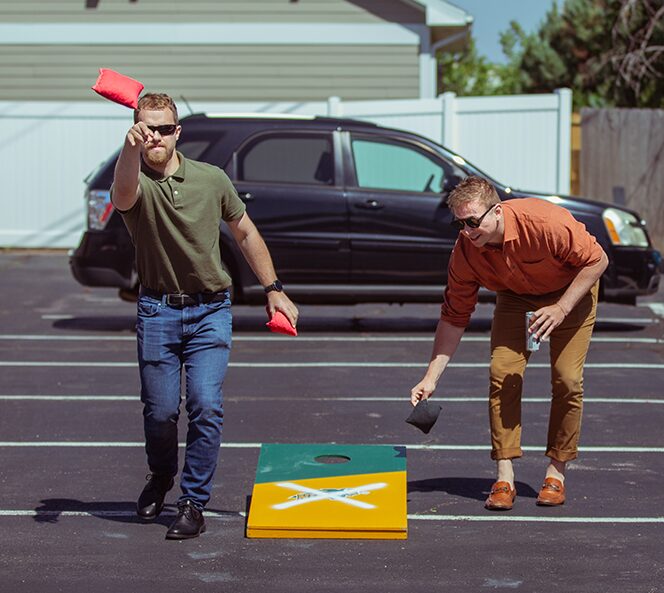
(494, 16)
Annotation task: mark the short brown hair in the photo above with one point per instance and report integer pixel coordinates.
(156, 102)
(473, 188)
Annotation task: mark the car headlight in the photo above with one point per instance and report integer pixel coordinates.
(624, 228)
(99, 208)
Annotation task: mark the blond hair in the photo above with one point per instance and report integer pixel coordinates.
(473, 188)
(156, 102)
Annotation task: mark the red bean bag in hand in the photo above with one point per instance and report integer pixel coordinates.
(118, 87)
(279, 324)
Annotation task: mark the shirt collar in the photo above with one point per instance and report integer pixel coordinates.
(152, 174)
(509, 229)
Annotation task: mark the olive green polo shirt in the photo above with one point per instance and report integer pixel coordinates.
(174, 226)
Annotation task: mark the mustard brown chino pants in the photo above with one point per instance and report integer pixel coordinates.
(569, 344)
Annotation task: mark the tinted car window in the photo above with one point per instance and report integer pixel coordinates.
(390, 165)
(193, 146)
(304, 159)
(194, 149)
(200, 145)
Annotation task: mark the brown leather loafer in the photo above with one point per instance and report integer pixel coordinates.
(501, 497)
(552, 493)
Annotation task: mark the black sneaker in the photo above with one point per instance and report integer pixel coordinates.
(189, 522)
(151, 501)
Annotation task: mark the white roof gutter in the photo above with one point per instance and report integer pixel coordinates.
(443, 14)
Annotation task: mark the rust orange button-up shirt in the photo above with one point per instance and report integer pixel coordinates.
(544, 248)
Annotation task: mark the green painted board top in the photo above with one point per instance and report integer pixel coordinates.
(279, 462)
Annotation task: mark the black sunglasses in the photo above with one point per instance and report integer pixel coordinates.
(472, 221)
(165, 130)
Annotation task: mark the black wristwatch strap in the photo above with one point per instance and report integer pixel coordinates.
(275, 286)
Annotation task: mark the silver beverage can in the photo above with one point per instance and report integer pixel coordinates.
(532, 343)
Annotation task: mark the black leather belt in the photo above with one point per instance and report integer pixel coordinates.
(185, 300)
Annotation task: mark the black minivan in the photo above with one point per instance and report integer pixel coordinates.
(351, 212)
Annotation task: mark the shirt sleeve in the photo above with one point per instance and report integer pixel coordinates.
(131, 216)
(461, 291)
(232, 207)
(571, 243)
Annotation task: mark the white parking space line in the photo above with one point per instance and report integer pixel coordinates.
(411, 447)
(522, 519)
(321, 364)
(628, 320)
(301, 338)
(584, 449)
(657, 308)
(108, 513)
(230, 515)
(71, 338)
(398, 400)
(57, 317)
(73, 398)
(441, 400)
(8, 363)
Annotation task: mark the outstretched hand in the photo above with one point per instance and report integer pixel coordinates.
(139, 135)
(423, 390)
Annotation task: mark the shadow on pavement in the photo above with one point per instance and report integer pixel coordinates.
(474, 488)
(98, 324)
(618, 326)
(51, 510)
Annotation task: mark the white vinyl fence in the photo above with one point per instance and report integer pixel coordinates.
(48, 148)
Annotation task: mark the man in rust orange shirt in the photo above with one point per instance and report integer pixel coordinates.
(536, 257)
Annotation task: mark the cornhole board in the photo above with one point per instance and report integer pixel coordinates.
(329, 491)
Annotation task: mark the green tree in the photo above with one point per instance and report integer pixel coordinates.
(638, 37)
(609, 52)
(466, 73)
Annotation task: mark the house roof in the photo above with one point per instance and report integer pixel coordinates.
(440, 13)
(449, 25)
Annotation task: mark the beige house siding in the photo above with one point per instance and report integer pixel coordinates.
(214, 73)
(227, 11)
(225, 50)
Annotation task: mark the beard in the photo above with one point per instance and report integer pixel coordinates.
(157, 158)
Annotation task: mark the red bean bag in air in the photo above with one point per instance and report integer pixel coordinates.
(118, 87)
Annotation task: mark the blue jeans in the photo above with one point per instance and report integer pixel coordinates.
(197, 337)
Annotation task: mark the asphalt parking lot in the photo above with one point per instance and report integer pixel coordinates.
(73, 464)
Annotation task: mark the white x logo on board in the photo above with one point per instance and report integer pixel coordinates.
(341, 495)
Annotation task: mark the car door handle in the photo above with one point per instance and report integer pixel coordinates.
(370, 205)
(246, 196)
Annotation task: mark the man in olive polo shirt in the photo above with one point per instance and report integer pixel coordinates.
(172, 207)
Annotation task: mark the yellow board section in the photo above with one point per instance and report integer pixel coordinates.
(359, 506)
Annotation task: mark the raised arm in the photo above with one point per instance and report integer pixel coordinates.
(126, 189)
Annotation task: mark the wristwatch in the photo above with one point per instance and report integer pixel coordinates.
(276, 286)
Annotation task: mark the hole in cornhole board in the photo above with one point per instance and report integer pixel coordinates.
(332, 459)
